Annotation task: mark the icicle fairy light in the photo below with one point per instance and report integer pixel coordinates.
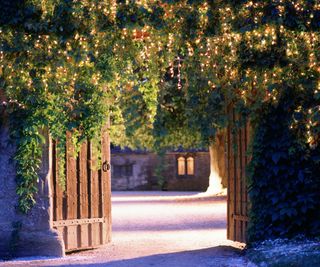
(179, 72)
(55, 63)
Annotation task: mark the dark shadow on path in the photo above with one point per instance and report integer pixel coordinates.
(220, 256)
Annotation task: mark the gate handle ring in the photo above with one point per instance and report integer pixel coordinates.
(106, 166)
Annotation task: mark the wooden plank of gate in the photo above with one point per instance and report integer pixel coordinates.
(71, 171)
(72, 237)
(106, 188)
(100, 197)
(247, 160)
(234, 177)
(94, 195)
(232, 180)
(65, 235)
(58, 190)
(245, 189)
(83, 194)
(238, 181)
(229, 219)
(95, 234)
(242, 181)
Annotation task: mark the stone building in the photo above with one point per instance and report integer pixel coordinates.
(180, 170)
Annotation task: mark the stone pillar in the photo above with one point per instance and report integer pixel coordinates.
(26, 234)
(217, 178)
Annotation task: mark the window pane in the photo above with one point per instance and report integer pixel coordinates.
(190, 166)
(128, 170)
(181, 166)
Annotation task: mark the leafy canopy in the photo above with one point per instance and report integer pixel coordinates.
(165, 72)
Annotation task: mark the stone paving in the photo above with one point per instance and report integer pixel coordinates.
(170, 229)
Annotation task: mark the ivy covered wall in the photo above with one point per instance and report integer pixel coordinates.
(284, 180)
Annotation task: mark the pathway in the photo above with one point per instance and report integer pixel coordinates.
(166, 229)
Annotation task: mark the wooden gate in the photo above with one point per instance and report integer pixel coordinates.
(237, 160)
(82, 212)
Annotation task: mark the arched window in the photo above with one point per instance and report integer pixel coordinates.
(190, 166)
(181, 166)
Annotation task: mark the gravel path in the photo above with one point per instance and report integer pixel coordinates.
(167, 229)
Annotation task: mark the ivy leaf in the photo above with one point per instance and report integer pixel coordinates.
(276, 157)
(275, 169)
(301, 176)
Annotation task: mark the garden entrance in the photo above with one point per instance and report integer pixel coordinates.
(82, 214)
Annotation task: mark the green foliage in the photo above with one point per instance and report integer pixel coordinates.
(51, 79)
(160, 169)
(165, 73)
(172, 127)
(28, 163)
(280, 81)
(284, 181)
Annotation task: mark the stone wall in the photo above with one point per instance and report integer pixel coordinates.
(143, 175)
(31, 234)
(142, 171)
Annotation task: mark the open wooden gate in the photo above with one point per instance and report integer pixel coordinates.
(237, 160)
(82, 212)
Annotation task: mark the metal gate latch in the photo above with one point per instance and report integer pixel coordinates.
(106, 166)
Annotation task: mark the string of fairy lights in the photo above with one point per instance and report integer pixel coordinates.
(217, 55)
(74, 62)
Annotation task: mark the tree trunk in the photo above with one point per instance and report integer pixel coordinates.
(217, 165)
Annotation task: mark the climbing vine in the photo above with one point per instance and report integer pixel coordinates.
(64, 65)
(279, 63)
(161, 69)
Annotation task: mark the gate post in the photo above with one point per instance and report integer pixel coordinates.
(237, 144)
(26, 234)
